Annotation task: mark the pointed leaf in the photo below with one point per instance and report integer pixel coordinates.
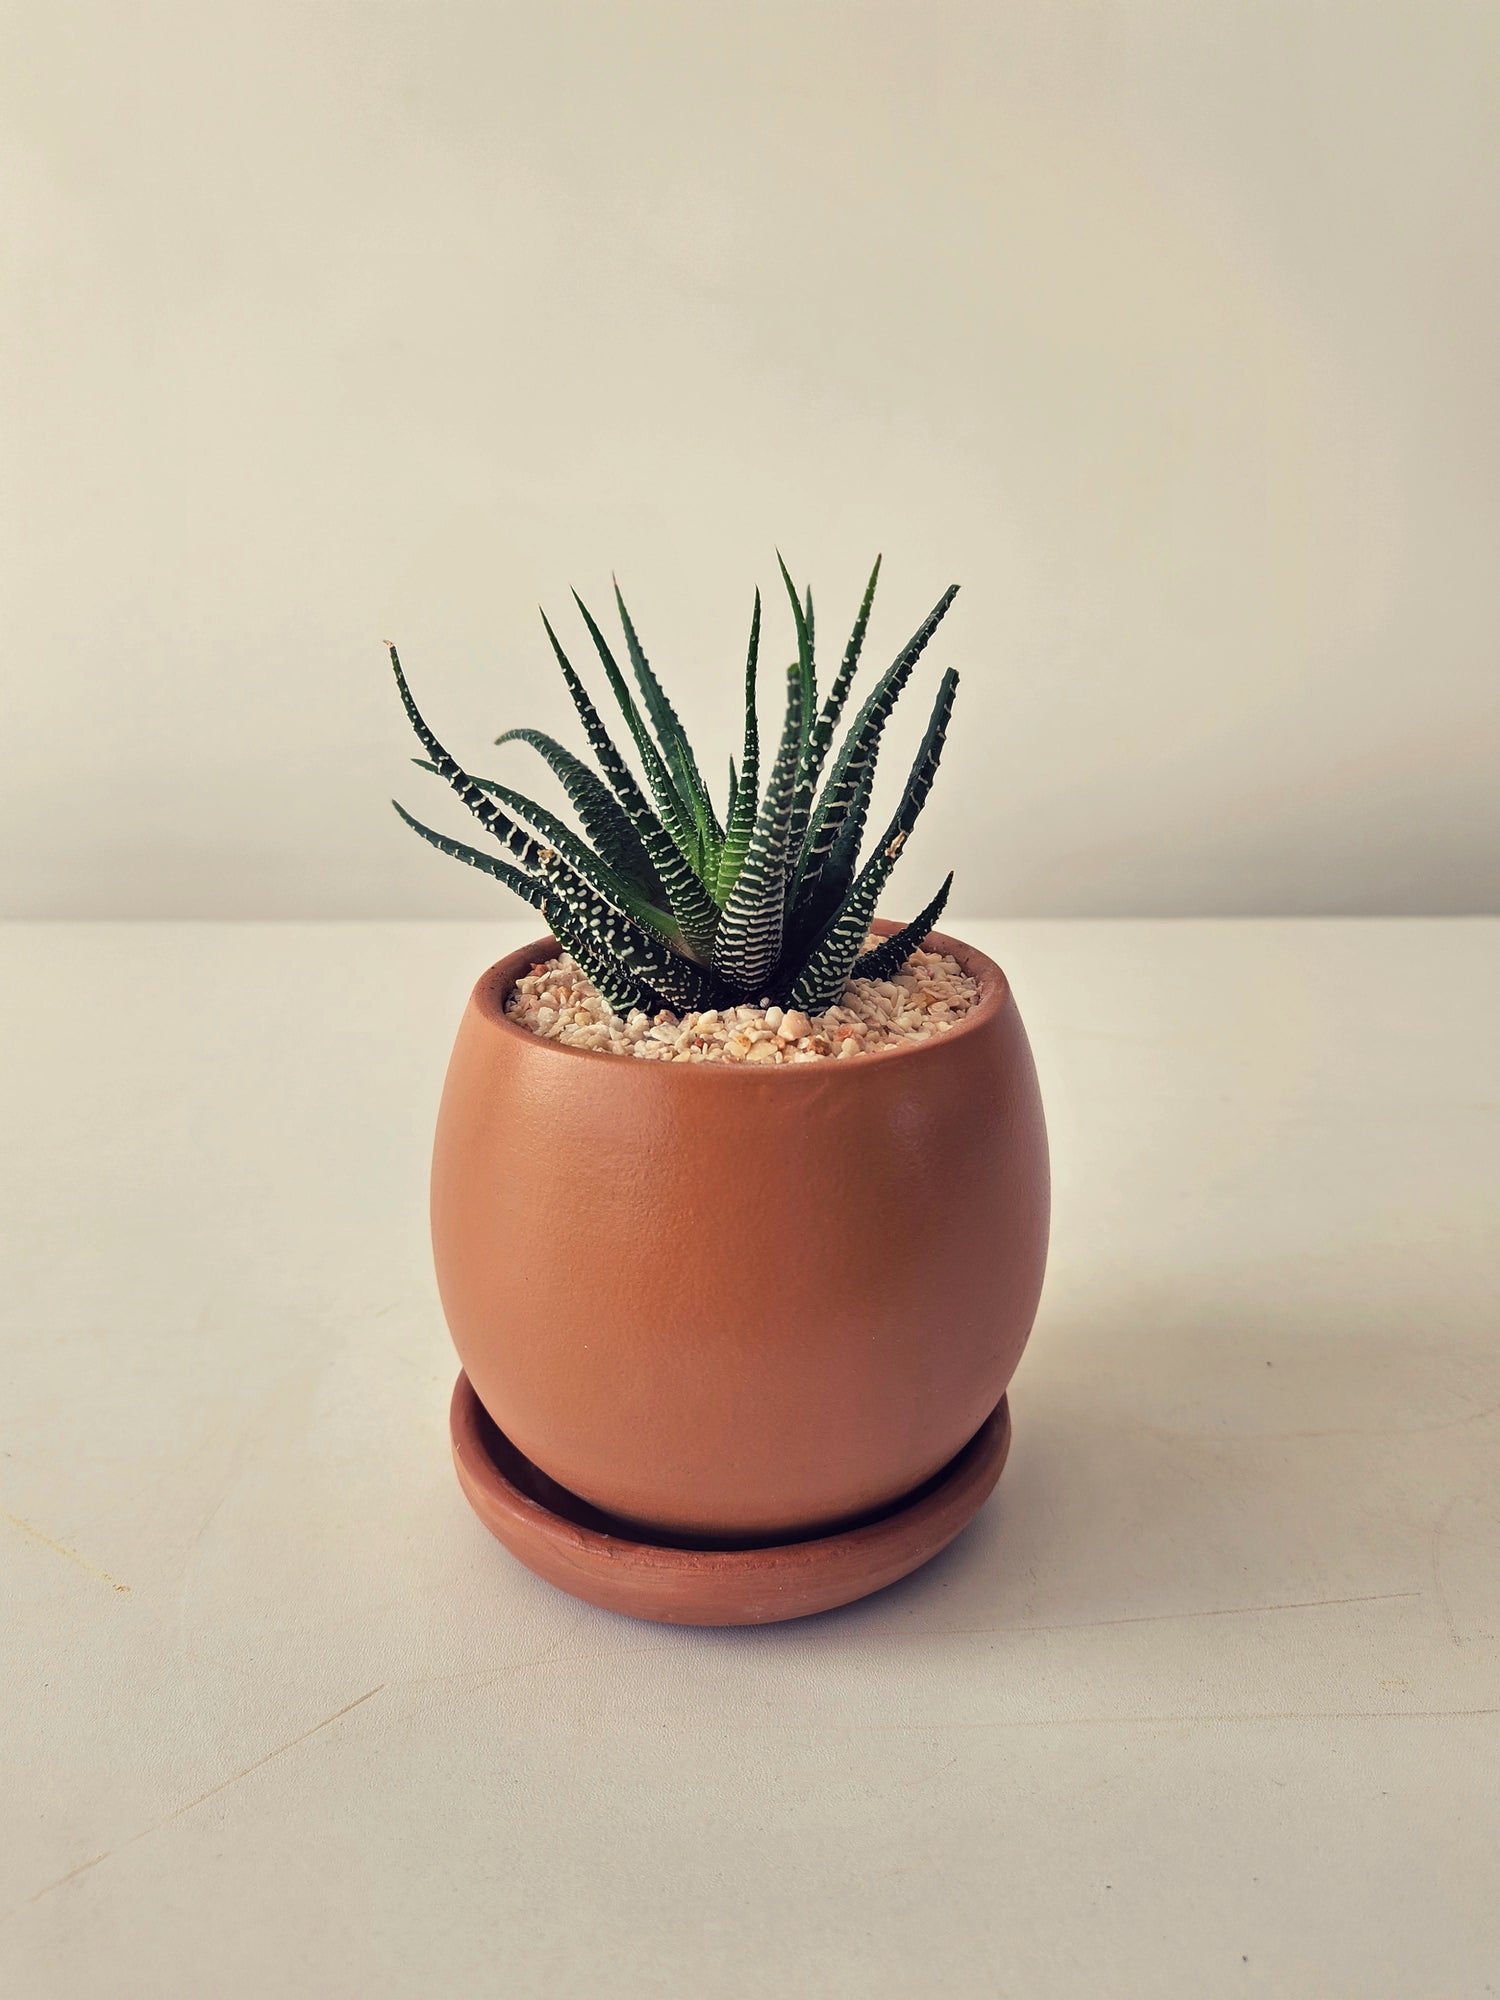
(593, 918)
(925, 763)
(750, 930)
(490, 817)
(823, 978)
(694, 909)
(603, 818)
(828, 965)
(549, 826)
(620, 988)
(809, 672)
(681, 983)
(526, 886)
(740, 823)
(802, 618)
(821, 733)
(891, 953)
(671, 736)
(675, 816)
(581, 858)
(859, 749)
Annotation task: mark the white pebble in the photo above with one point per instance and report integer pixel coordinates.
(927, 997)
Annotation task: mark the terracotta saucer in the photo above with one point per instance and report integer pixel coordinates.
(584, 1552)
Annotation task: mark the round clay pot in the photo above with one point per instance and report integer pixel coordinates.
(745, 1303)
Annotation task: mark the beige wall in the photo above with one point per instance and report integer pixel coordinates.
(1171, 332)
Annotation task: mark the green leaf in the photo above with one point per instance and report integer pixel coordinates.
(612, 938)
(623, 989)
(675, 816)
(809, 672)
(620, 988)
(925, 763)
(820, 736)
(844, 787)
(582, 859)
(803, 619)
(592, 865)
(826, 972)
(593, 919)
(891, 953)
(828, 965)
(490, 817)
(694, 909)
(746, 794)
(673, 739)
(750, 930)
(621, 779)
(659, 904)
(526, 886)
(604, 820)
(843, 856)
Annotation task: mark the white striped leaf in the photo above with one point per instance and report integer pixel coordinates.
(891, 953)
(859, 749)
(694, 909)
(745, 791)
(748, 945)
(822, 977)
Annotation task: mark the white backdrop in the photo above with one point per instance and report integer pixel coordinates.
(1169, 331)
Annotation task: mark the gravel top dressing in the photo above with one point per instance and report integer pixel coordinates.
(929, 995)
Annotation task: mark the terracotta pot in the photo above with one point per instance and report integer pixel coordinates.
(740, 1303)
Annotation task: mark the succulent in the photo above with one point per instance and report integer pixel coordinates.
(663, 903)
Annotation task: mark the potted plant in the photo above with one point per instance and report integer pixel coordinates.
(739, 1194)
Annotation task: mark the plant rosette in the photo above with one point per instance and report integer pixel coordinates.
(738, 1333)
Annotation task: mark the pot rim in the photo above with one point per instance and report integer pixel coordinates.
(494, 986)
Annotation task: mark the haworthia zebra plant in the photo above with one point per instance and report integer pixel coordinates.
(663, 903)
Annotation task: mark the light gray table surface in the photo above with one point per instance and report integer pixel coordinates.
(1206, 1702)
